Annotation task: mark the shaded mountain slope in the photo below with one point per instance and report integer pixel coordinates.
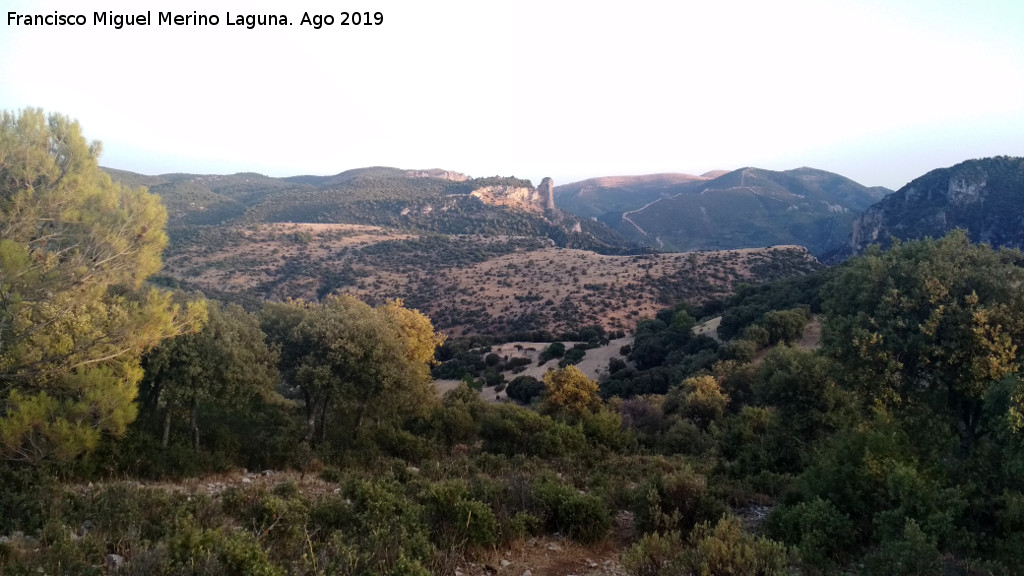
(983, 196)
(751, 207)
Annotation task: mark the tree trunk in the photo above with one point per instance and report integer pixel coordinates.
(167, 428)
(195, 427)
(323, 419)
(359, 421)
(310, 419)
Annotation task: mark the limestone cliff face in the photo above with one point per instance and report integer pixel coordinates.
(537, 200)
(546, 194)
(437, 173)
(985, 197)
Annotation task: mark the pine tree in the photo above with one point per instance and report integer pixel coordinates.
(75, 249)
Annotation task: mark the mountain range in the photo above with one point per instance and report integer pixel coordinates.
(424, 201)
(485, 255)
(723, 210)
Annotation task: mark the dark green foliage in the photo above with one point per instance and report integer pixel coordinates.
(525, 389)
(24, 491)
(932, 322)
(824, 536)
(583, 517)
(384, 527)
(553, 350)
(572, 356)
(513, 430)
(751, 303)
(871, 476)
(457, 519)
(981, 196)
(785, 326)
(802, 387)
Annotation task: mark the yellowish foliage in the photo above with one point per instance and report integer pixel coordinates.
(570, 393)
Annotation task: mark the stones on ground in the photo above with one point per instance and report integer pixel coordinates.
(505, 563)
(554, 547)
(528, 573)
(113, 561)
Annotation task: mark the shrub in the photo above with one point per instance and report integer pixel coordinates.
(228, 553)
(725, 549)
(525, 389)
(457, 520)
(656, 554)
(699, 399)
(386, 528)
(823, 534)
(604, 428)
(522, 524)
(913, 553)
(583, 517)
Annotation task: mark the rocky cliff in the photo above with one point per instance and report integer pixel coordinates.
(537, 200)
(984, 197)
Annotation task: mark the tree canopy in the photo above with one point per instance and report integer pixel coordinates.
(358, 361)
(227, 361)
(74, 316)
(932, 323)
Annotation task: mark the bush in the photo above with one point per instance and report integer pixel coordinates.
(457, 520)
(220, 552)
(698, 399)
(583, 517)
(573, 356)
(386, 528)
(524, 389)
(656, 554)
(914, 553)
(604, 428)
(823, 534)
(553, 350)
(725, 549)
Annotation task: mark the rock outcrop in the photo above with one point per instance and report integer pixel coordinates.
(984, 197)
(437, 173)
(546, 194)
(537, 200)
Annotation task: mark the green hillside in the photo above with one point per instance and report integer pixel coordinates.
(430, 201)
(753, 207)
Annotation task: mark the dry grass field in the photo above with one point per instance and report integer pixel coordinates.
(471, 284)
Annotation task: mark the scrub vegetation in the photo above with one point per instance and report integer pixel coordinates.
(149, 430)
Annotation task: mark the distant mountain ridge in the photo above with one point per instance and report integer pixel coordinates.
(425, 201)
(743, 208)
(983, 196)
(596, 197)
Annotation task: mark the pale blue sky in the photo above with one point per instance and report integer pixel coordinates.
(879, 91)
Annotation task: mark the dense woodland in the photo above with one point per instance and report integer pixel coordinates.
(127, 411)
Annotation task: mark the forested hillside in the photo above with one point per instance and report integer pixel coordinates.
(149, 430)
(750, 207)
(985, 197)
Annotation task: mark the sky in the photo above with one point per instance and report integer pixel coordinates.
(880, 91)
